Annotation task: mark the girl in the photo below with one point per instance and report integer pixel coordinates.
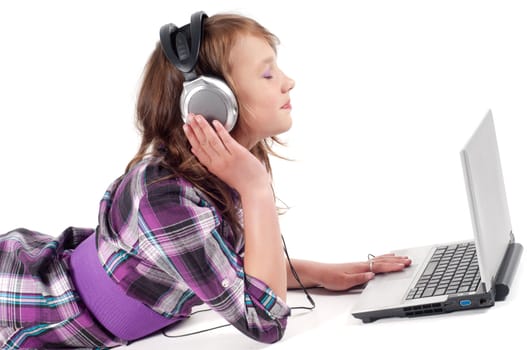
(193, 219)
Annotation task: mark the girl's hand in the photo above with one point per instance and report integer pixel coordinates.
(224, 157)
(339, 277)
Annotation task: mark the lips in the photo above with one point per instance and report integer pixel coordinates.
(287, 105)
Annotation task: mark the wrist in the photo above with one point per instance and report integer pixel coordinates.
(262, 191)
(318, 271)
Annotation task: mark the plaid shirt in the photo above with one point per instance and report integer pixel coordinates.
(161, 241)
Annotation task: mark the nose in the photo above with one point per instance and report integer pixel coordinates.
(288, 84)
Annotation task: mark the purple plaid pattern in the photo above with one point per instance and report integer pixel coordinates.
(161, 240)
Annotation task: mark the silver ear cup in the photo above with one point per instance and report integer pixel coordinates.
(211, 98)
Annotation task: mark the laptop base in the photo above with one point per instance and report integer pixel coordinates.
(501, 289)
(453, 303)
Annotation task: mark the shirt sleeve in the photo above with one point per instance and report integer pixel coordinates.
(183, 233)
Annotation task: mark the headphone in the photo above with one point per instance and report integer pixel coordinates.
(206, 95)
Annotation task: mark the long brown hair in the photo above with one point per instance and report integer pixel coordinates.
(158, 115)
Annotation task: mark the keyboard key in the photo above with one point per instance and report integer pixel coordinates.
(428, 292)
(430, 268)
(463, 289)
(452, 269)
(440, 291)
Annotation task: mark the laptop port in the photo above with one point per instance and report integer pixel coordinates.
(465, 302)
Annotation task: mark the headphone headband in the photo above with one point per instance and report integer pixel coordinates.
(181, 45)
(208, 96)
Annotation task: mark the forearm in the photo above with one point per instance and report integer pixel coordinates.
(264, 257)
(308, 272)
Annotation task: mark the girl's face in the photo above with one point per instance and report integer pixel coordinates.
(262, 91)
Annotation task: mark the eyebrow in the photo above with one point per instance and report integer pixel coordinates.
(266, 61)
(269, 59)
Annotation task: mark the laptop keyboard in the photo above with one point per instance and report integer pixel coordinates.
(452, 269)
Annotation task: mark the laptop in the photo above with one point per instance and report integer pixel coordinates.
(460, 275)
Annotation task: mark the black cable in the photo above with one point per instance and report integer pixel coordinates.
(297, 278)
(196, 332)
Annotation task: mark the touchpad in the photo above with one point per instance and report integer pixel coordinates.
(404, 274)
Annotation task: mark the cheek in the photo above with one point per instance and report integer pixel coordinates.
(265, 102)
(256, 104)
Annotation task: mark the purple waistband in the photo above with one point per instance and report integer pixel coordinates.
(124, 316)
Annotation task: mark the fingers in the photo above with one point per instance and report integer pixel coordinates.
(388, 263)
(345, 281)
(395, 259)
(225, 137)
(206, 143)
(380, 267)
(380, 264)
(357, 279)
(196, 148)
(383, 263)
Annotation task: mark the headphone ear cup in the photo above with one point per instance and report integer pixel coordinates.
(212, 98)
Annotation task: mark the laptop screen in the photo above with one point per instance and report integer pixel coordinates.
(487, 199)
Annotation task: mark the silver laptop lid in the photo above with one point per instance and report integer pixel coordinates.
(487, 199)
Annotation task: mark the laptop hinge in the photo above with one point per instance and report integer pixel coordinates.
(507, 269)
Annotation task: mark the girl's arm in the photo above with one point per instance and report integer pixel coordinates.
(342, 276)
(224, 157)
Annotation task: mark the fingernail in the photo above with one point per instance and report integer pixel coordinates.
(190, 117)
(370, 275)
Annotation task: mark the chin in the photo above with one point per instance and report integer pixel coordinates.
(288, 123)
(281, 129)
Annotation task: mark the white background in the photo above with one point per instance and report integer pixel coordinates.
(387, 93)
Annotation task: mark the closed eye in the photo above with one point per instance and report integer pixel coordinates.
(267, 74)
